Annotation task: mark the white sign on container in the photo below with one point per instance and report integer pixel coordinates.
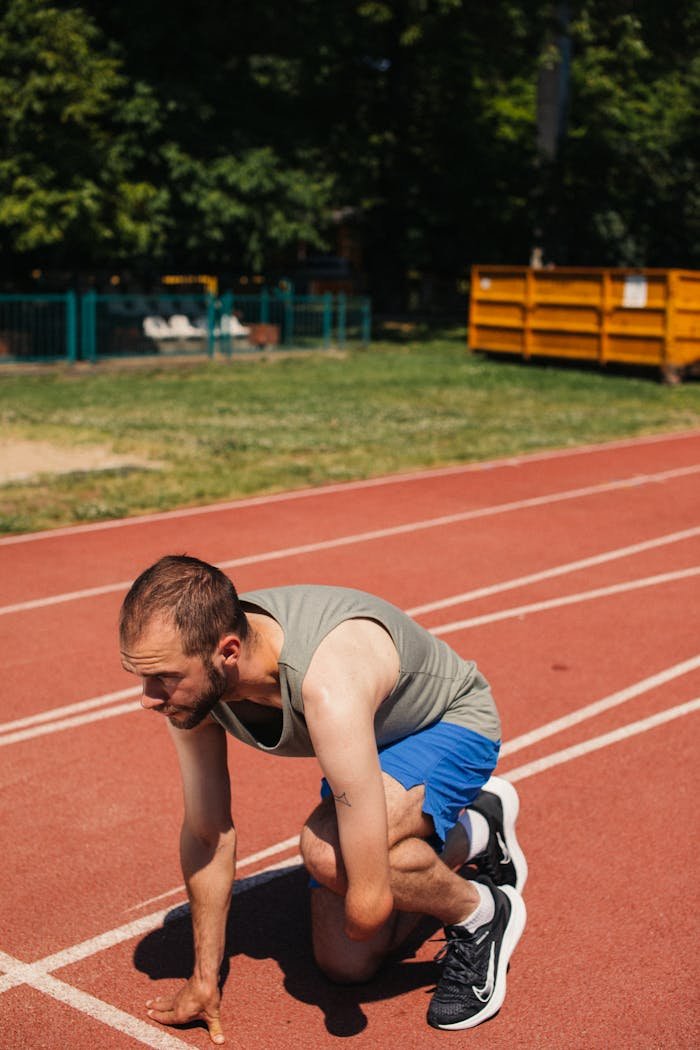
(634, 296)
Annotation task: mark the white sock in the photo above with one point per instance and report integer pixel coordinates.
(484, 910)
(477, 829)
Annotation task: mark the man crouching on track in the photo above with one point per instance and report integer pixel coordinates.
(406, 734)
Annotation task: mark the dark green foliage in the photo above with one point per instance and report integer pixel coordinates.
(631, 168)
(72, 126)
(227, 135)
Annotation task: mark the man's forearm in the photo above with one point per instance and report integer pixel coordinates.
(209, 870)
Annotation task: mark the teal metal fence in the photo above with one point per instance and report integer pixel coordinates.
(92, 327)
(134, 325)
(38, 327)
(299, 320)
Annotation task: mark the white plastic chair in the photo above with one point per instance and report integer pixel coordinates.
(155, 327)
(182, 328)
(230, 325)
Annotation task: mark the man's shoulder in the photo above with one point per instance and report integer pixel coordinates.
(357, 658)
(323, 591)
(317, 603)
(321, 596)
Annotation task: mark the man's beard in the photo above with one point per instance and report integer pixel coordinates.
(207, 701)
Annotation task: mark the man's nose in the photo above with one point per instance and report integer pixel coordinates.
(149, 702)
(152, 696)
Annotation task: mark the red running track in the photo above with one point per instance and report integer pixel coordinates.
(572, 579)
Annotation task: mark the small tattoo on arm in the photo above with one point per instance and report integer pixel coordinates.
(342, 798)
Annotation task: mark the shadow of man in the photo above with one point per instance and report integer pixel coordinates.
(270, 920)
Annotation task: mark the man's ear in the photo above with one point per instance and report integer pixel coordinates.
(230, 648)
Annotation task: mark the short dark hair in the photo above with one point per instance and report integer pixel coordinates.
(199, 599)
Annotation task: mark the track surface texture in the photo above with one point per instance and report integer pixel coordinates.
(572, 578)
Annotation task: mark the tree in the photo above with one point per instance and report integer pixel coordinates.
(428, 113)
(228, 140)
(246, 182)
(414, 119)
(73, 132)
(101, 166)
(628, 181)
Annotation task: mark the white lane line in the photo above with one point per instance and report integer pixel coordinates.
(377, 534)
(586, 746)
(97, 1009)
(459, 625)
(558, 725)
(149, 1035)
(158, 897)
(68, 723)
(110, 938)
(518, 743)
(135, 927)
(556, 570)
(69, 709)
(525, 740)
(270, 851)
(568, 599)
(349, 486)
(458, 599)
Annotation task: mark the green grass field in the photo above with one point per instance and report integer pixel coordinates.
(226, 429)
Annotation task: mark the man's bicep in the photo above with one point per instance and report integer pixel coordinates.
(345, 745)
(206, 786)
(342, 735)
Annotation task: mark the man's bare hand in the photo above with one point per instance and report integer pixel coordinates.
(194, 1002)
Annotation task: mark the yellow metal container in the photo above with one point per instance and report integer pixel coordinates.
(641, 317)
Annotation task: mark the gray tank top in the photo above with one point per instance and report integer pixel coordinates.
(434, 683)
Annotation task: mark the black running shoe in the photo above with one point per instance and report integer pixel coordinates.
(502, 861)
(472, 986)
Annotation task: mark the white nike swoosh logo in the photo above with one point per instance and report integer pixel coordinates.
(485, 993)
(506, 858)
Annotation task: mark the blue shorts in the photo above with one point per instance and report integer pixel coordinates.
(454, 763)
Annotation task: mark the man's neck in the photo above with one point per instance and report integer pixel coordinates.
(258, 665)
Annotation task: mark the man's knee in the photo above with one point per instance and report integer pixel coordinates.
(346, 970)
(342, 960)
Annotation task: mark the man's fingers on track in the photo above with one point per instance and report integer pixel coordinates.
(161, 1010)
(213, 1023)
(163, 1002)
(216, 1033)
(165, 1016)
